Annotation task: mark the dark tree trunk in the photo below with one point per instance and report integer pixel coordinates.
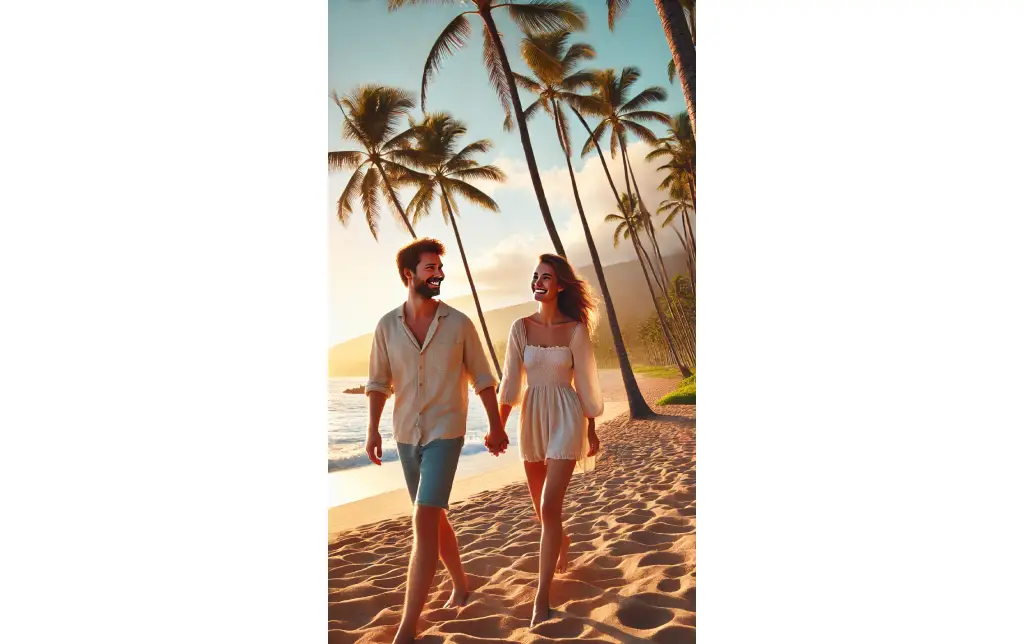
(638, 407)
(524, 134)
(472, 285)
(684, 54)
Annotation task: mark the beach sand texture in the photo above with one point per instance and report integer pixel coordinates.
(631, 577)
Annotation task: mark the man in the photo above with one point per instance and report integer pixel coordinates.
(429, 353)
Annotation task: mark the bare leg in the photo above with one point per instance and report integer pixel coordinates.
(449, 550)
(422, 565)
(557, 481)
(535, 475)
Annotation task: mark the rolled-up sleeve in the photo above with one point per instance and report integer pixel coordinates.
(585, 378)
(477, 365)
(512, 374)
(380, 364)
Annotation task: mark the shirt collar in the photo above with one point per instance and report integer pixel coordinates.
(442, 310)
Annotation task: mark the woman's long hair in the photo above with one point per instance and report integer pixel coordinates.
(576, 300)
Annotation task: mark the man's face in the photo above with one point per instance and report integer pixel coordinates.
(429, 275)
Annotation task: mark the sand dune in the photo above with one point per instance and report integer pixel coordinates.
(631, 577)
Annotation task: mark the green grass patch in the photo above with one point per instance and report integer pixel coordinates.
(686, 394)
(657, 371)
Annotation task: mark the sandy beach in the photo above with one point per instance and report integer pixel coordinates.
(631, 576)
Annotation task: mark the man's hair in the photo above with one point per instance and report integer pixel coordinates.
(409, 255)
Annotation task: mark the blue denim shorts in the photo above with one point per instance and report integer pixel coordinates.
(430, 470)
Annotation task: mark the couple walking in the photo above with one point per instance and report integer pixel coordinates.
(428, 354)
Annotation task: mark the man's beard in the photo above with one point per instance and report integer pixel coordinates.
(425, 290)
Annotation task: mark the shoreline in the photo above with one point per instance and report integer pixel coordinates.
(350, 507)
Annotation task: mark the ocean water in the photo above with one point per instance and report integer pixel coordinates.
(348, 415)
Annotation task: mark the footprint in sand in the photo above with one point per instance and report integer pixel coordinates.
(637, 614)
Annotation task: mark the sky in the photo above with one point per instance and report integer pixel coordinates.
(367, 44)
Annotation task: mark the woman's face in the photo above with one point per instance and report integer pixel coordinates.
(545, 285)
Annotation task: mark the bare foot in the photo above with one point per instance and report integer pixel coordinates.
(403, 637)
(460, 593)
(458, 598)
(540, 614)
(563, 555)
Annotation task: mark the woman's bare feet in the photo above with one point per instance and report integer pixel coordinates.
(540, 614)
(563, 555)
(460, 593)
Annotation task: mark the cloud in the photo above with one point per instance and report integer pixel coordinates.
(508, 266)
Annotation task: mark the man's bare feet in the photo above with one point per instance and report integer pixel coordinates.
(563, 555)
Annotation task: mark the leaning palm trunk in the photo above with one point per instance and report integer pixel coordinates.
(638, 407)
(472, 285)
(689, 262)
(649, 226)
(684, 54)
(665, 327)
(674, 329)
(524, 134)
(661, 316)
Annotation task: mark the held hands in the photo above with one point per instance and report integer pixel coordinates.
(373, 445)
(496, 440)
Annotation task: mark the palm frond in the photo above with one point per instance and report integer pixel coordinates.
(578, 80)
(485, 172)
(496, 73)
(527, 83)
(577, 52)
(547, 15)
(615, 10)
(455, 36)
(394, 5)
(483, 146)
(640, 132)
(671, 71)
(470, 193)
(534, 108)
(353, 186)
(542, 54)
(369, 192)
(627, 77)
(419, 205)
(343, 160)
(374, 113)
(645, 98)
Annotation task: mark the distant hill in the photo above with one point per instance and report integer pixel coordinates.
(625, 281)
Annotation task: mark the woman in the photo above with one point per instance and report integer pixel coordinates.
(556, 423)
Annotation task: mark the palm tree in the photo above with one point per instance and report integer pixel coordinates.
(372, 115)
(533, 16)
(678, 204)
(555, 83)
(680, 41)
(447, 174)
(627, 224)
(621, 116)
(680, 150)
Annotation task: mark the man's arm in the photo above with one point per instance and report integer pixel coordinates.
(484, 383)
(378, 388)
(374, 447)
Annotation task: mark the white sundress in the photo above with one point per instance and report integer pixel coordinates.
(562, 391)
